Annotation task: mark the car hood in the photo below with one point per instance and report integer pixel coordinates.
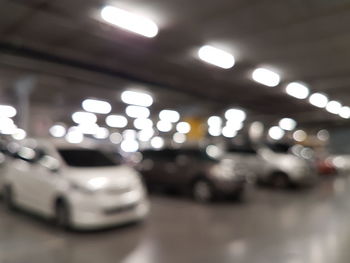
(103, 177)
(282, 159)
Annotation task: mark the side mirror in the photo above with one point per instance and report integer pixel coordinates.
(50, 163)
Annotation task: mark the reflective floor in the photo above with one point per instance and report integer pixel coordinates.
(311, 226)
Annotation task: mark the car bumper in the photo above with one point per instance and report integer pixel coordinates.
(229, 187)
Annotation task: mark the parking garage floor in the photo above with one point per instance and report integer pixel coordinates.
(270, 226)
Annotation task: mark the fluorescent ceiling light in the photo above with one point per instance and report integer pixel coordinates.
(183, 127)
(137, 98)
(145, 135)
(345, 112)
(169, 116)
(235, 115)
(84, 117)
(129, 145)
(214, 131)
(319, 100)
(7, 111)
(101, 133)
(297, 90)
(179, 137)
(157, 142)
(287, 124)
(129, 21)
(97, 106)
(266, 77)
(164, 126)
(74, 136)
(216, 57)
(116, 121)
(228, 132)
(137, 112)
(276, 133)
(333, 107)
(215, 121)
(142, 124)
(57, 131)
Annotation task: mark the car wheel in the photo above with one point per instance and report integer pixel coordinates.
(280, 180)
(62, 215)
(202, 191)
(8, 198)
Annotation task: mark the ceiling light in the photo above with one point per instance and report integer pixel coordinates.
(57, 131)
(84, 117)
(164, 126)
(97, 106)
(129, 21)
(323, 135)
(214, 121)
(266, 77)
(234, 125)
(236, 115)
(115, 138)
(88, 128)
(179, 137)
(7, 111)
(216, 57)
(129, 145)
(345, 112)
(297, 90)
(157, 142)
(141, 123)
(319, 100)
(276, 133)
(19, 134)
(116, 121)
(145, 135)
(74, 136)
(287, 124)
(228, 132)
(299, 135)
(333, 107)
(183, 127)
(214, 131)
(101, 133)
(137, 112)
(129, 134)
(169, 116)
(137, 98)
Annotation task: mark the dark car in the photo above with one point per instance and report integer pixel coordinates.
(192, 171)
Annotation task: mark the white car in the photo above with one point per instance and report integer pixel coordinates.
(79, 187)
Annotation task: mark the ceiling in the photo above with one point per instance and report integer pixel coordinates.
(73, 54)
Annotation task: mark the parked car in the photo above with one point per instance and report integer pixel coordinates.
(193, 171)
(286, 168)
(80, 187)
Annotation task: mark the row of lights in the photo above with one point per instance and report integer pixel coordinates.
(7, 125)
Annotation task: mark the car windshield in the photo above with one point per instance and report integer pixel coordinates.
(86, 158)
(280, 147)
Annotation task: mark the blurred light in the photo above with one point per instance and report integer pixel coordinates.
(137, 98)
(183, 127)
(74, 136)
(19, 134)
(58, 131)
(129, 145)
(235, 115)
(266, 77)
(345, 112)
(7, 111)
(213, 151)
(97, 182)
(97, 106)
(179, 137)
(234, 125)
(115, 137)
(296, 149)
(214, 131)
(145, 135)
(214, 121)
(287, 124)
(10, 127)
(319, 100)
(129, 134)
(333, 107)
(256, 130)
(307, 153)
(5, 121)
(88, 128)
(216, 57)
(164, 126)
(297, 90)
(276, 133)
(137, 112)
(142, 123)
(299, 135)
(169, 116)
(323, 135)
(116, 121)
(339, 162)
(101, 133)
(129, 21)
(84, 117)
(157, 142)
(228, 132)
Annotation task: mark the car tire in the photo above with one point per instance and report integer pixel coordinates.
(280, 180)
(62, 215)
(8, 198)
(203, 191)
